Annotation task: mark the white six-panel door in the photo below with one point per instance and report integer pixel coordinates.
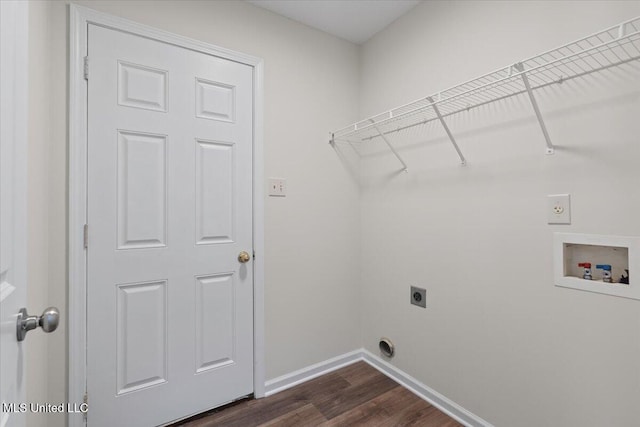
(170, 309)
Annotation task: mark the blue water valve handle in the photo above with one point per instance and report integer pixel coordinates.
(606, 272)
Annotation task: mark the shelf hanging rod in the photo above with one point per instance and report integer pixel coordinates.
(384, 138)
(520, 68)
(463, 161)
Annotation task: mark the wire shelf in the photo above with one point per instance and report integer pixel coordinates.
(611, 47)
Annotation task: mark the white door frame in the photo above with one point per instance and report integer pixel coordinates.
(79, 19)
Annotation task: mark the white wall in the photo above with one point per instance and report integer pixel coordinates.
(312, 235)
(497, 337)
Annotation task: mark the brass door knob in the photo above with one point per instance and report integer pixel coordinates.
(243, 257)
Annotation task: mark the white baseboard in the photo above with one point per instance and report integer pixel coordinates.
(310, 372)
(447, 406)
(426, 393)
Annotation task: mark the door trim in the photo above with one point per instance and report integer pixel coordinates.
(79, 20)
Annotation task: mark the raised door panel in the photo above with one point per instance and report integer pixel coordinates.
(215, 101)
(215, 192)
(141, 335)
(142, 87)
(142, 198)
(215, 321)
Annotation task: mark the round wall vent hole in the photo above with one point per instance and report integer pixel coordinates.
(386, 347)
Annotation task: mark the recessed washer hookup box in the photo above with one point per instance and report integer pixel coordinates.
(597, 263)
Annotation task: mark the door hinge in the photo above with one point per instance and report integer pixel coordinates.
(86, 68)
(85, 410)
(85, 238)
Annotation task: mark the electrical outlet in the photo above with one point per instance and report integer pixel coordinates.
(419, 297)
(277, 187)
(558, 209)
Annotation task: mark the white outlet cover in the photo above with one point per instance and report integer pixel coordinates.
(559, 209)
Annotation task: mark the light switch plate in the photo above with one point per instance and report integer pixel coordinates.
(277, 187)
(559, 209)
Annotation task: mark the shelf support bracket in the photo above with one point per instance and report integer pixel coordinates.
(393, 150)
(463, 161)
(520, 68)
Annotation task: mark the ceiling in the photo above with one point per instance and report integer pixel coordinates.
(353, 20)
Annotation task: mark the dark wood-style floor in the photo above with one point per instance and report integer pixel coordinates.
(356, 395)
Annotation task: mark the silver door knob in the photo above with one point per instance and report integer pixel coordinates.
(48, 321)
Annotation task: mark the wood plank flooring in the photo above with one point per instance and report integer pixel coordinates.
(356, 395)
